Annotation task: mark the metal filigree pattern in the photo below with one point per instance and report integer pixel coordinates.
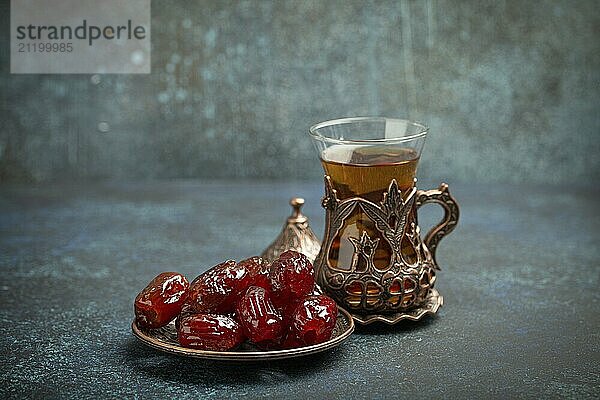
(407, 280)
(429, 306)
(365, 249)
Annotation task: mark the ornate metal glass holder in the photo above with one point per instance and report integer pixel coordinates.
(404, 289)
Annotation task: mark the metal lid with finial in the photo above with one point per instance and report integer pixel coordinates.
(296, 235)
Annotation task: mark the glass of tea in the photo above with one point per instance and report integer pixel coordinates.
(372, 258)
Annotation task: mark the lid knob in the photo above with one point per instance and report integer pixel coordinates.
(296, 235)
(297, 216)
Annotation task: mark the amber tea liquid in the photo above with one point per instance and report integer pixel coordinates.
(366, 171)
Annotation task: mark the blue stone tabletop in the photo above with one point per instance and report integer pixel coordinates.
(519, 276)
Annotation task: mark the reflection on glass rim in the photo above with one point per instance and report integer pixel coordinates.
(393, 124)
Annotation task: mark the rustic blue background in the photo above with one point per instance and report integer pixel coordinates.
(510, 90)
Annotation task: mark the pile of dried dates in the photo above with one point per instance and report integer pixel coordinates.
(271, 305)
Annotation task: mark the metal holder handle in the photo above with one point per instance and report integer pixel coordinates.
(442, 197)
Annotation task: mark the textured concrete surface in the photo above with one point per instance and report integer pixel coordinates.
(520, 279)
(509, 88)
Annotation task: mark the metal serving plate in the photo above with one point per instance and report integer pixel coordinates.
(432, 304)
(165, 339)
